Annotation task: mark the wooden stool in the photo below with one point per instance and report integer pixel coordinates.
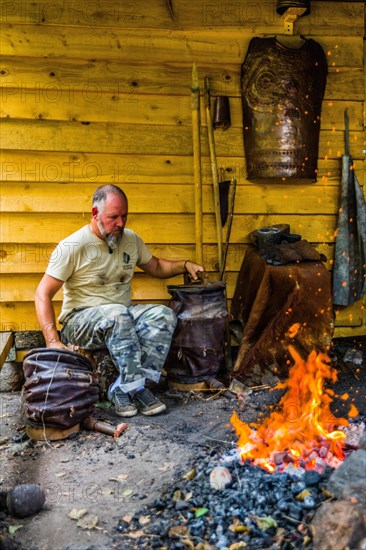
(46, 433)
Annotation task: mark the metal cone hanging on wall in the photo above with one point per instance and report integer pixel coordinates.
(284, 5)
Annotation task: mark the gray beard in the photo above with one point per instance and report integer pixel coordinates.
(111, 239)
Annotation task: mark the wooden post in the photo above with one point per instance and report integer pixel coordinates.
(215, 177)
(196, 128)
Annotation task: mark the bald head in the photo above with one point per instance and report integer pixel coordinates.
(101, 194)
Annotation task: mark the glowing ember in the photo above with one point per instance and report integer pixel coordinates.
(301, 431)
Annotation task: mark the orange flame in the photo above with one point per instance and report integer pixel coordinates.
(301, 430)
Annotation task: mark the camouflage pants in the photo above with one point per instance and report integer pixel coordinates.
(137, 337)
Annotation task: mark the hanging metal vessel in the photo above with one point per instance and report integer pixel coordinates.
(221, 117)
(282, 92)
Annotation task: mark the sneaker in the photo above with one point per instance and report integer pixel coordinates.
(147, 403)
(123, 405)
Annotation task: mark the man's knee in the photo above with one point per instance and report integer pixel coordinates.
(89, 326)
(168, 314)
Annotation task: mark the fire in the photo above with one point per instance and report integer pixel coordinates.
(301, 431)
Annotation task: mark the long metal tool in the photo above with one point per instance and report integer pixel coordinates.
(232, 192)
(215, 177)
(196, 129)
(229, 223)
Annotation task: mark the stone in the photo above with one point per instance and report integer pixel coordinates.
(353, 356)
(337, 525)
(29, 339)
(25, 500)
(220, 478)
(349, 480)
(11, 377)
(311, 477)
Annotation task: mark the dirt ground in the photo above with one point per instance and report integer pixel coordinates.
(108, 478)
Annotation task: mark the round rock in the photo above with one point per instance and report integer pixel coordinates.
(25, 500)
(220, 478)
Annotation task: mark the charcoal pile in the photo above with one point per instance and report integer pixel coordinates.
(308, 497)
(224, 504)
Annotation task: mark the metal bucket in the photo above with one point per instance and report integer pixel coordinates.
(197, 349)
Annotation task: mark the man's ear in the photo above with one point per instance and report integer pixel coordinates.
(95, 212)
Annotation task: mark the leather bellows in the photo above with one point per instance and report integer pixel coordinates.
(59, 389)
(197, 349)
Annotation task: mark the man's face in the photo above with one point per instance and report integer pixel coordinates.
(112, 221)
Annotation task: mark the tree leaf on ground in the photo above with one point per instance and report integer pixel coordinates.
(167, 466)
(326, 493)
(77, 513)
(136, 535)
(143, 520)
(103, 405)
(189, 544)
(88, 522)
(239, 528)
(120, 477)
(178, 531)
(177, 495)
(190, 475)
(14, 528)
(200, 512)
(303, 494)
(266, 522)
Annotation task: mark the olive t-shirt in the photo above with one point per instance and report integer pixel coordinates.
(92, 274)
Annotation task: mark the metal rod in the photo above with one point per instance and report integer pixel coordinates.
(215, 178)
(229, 225)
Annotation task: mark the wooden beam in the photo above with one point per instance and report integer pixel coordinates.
(6, 342)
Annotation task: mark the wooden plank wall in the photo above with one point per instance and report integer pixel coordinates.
(99, 92)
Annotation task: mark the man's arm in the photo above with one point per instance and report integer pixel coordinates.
(163, 269)
(46, 290)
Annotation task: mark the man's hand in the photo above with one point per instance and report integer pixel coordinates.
(164, 269)
(193, 269)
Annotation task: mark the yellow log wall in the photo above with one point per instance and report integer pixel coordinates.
(99, 92)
